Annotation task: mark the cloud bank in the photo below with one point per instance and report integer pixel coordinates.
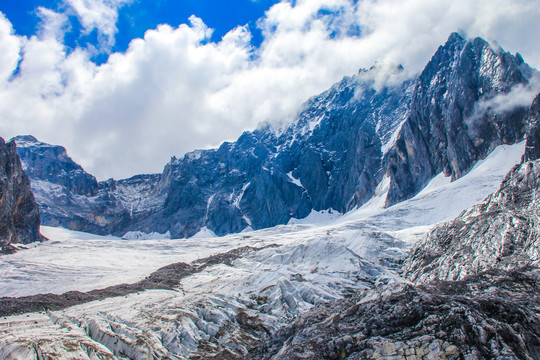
(175, 90)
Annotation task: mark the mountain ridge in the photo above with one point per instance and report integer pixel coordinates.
(333, 156)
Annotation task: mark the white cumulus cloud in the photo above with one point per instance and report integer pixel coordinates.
(175, 90)
(99, 15)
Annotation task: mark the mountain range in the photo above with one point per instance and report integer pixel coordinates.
(378, 127)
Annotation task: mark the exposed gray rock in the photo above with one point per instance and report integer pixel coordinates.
(503, 232)
(493, 315)
(19, 212)
(446, 131)
(52, 163)
(532, 149)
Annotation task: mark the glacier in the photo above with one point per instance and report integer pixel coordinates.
(224, 309)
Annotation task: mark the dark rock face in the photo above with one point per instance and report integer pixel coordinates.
(492, 315)
(333, 156)
(502, 232)
(532, 149)
(444, 131)
(51, 163)
(19, 212)
(329, 158)
(70, 197)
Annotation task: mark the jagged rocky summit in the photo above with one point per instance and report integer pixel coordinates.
(52, 164)
(377, 125)
(70, 197)
(19, 212)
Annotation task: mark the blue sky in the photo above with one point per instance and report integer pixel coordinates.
(135, 18)
(123, 93)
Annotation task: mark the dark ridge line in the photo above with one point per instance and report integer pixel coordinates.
(165, 278)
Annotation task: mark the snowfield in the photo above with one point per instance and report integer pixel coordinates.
(229, 305)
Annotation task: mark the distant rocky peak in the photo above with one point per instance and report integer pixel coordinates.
(381, 75)
(471, 69)
(486, 63)
(452, 122)
(445, 54)
(51, 163)
(456, 37)
(382, 66)
(26, 140)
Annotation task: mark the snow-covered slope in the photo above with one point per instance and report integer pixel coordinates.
(224, 308)
(443, 199)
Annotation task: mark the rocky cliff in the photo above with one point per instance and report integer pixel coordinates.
(51, 163)
(19, 212)
(447, 129)
(330, 158)
(503, 232)
(377, 123)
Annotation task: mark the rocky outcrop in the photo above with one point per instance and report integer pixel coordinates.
(19, 212)
(503, 232)
(492, 315)
(532, 148)
(51, 163)
(447, 130)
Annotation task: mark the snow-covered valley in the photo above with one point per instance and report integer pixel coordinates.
(225, 308)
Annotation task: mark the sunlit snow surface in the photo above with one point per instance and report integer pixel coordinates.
(315, 260)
